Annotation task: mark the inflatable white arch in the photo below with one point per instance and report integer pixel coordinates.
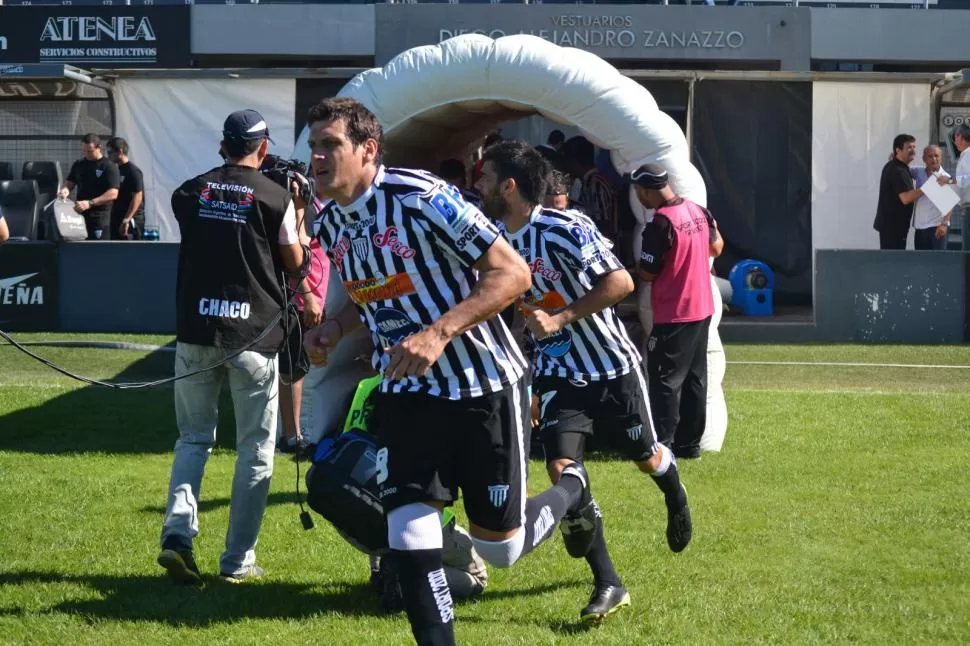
(440, 101)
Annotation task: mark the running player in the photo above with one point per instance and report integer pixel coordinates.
(587, 370)
(427, 273)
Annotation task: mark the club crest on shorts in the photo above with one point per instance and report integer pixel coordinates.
(635, 432)
(498, 494)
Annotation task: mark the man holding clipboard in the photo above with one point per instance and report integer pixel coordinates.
(931, 215)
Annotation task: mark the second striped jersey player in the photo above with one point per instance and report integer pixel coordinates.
(567, 255)
(588, 375)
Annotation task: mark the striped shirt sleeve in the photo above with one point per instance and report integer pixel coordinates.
(584, 249)
(460, 228)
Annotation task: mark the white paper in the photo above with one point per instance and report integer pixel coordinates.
(943, 197)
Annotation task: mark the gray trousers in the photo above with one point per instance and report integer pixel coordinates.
(254, 387)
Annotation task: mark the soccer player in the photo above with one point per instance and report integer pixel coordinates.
(587, 371)
(427, 273)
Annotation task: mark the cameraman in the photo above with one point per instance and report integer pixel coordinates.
(239, 234)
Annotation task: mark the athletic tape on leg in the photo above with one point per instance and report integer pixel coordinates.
(414, 527)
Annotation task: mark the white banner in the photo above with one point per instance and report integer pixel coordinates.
(853, 126)
(173, 128)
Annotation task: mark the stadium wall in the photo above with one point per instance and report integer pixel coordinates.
(917, 297)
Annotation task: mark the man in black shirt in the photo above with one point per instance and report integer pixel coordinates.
(239, 235)
(896, 195)
(97, 182)
(128, 211)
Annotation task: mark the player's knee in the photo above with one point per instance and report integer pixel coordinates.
(501, 553)
(414, 527)
(656, 462)
(554, 468)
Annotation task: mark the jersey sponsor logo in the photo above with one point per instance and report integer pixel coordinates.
(15, 291)
(380, 288)
(450, 206)
(220, 308)
(360, 225)
(591, 259)
(646, 257)
(498, 495)
(468, 234)
(390, 240)
(556, 345)
(539, 267)
(339, 250)
(393, 326)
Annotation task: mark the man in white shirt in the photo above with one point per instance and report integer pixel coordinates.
(931, 225)
(961, 139)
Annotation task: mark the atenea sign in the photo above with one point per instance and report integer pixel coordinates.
(103, 36)
(613, 32)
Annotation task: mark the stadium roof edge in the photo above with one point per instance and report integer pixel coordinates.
(685, 75)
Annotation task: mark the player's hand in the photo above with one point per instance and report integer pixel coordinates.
(540, 322)
(64, 193)
(942, 180)
(535, 411)
(320, 341)
(312, 311)
(295, 190)
(413, 356)
(941, 232)
(82, 206)
(123, 229)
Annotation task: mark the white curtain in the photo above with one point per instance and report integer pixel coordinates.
(173, 128)
(853, 126)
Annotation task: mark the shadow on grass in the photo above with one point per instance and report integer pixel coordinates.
(105, 420)
(278, 498)
(96, 419)
(156, 599)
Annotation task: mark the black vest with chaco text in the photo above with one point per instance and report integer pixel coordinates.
(229, 285)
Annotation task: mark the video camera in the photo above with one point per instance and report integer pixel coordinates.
(283, 172)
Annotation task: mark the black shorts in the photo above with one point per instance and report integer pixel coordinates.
(294, 362)
(616, 410)
(431, 447)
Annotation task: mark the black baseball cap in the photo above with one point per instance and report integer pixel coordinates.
(652, 176)
(245, 125)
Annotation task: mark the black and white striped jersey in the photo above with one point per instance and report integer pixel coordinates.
(405, 252)
(567, 255)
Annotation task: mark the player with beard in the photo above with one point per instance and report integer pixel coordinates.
(587, 372)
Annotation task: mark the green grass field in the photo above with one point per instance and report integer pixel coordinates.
(837, 513)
